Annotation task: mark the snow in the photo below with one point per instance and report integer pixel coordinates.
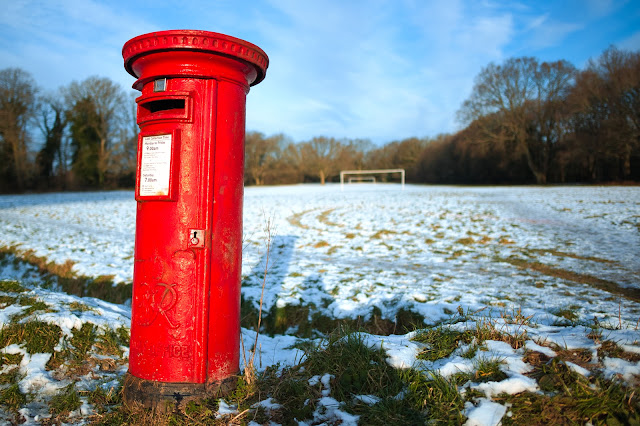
(533, 346)
(36, 379)
(629, 371)
(511, 386)
(367, 399)
(486, 413)
(428, 249)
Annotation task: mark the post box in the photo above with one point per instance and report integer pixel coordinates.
(185, 312)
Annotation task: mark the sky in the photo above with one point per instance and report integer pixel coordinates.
(375, 69)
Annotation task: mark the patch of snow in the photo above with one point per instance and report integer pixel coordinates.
(367, 399)
(513, 385)
(486, 413)
(627, 370)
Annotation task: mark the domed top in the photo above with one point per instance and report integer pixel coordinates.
(196, 40)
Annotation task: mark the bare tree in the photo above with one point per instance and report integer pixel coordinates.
(261, 154)
(53, 158)
(606, 113)
(124, 149)
(526, 97)
(319, 157)
(17, 106)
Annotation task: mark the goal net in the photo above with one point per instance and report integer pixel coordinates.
(357, 175)
(362, 179)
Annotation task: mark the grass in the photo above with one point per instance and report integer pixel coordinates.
(302, 321)
(488, 370)
(11, 286)
(65, 401)
(37, 336)
(441, 341)
(342, 365)
(338, 364)
(570, 398)
(67, 279)
(606, 285)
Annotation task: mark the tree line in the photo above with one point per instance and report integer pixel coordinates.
(82, 136)
(525, 121)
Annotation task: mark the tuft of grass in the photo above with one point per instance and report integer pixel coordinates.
(82, 340)
(486, 329)
(80, 307)
(38, 336)
(516, 317)
(9, 359)
(354, 368)
(570, 398)
(110, 341)
(465, 241)
(291, 389)
(436, 395)
(34, 305)
(10, 376)
(488, 370)
(610, 349)
(11, 286)
(12, 398)
(382, 233)
(65, 401)
(569, 313)
(442, 341)
(389, 411)
(102, 399)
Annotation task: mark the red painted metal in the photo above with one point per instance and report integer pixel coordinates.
(186, 282)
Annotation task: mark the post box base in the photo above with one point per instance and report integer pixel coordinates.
(165, 397)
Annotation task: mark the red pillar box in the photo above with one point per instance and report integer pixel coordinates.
(185, 319)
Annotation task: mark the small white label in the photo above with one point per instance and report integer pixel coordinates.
(155, 165)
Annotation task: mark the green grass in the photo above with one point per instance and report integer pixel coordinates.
(101, 287)
(570, 398)
(441, 341)
(11, 286)
(488, 370)
(435, 395)
(37, 336)
(12, 398)
(65, 401)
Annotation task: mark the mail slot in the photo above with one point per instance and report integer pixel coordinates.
(185, 319)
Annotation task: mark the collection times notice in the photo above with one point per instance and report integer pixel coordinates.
(155, 165)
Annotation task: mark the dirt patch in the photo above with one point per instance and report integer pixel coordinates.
(610, 286)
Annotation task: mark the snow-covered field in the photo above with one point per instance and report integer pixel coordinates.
(433, 250)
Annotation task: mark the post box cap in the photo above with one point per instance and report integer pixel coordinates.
(196, 40)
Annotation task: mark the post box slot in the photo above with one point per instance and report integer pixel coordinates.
(173, 107)
(170, 105)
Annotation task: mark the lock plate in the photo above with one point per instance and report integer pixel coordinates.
(196, 238)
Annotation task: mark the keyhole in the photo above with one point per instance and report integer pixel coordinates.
(194, 239)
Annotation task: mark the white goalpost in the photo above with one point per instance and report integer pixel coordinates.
(344, 173)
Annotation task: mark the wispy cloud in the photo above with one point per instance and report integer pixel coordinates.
(630, 43)
(378, 69)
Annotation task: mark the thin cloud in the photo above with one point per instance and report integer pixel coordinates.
(631, 43)
(374, 69)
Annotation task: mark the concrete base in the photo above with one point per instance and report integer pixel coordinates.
(165, 397)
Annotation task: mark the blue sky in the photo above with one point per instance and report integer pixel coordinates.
(382, 70)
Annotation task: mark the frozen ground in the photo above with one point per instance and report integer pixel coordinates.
(541, 252)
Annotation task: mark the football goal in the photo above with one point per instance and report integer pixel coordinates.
(344, 173)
